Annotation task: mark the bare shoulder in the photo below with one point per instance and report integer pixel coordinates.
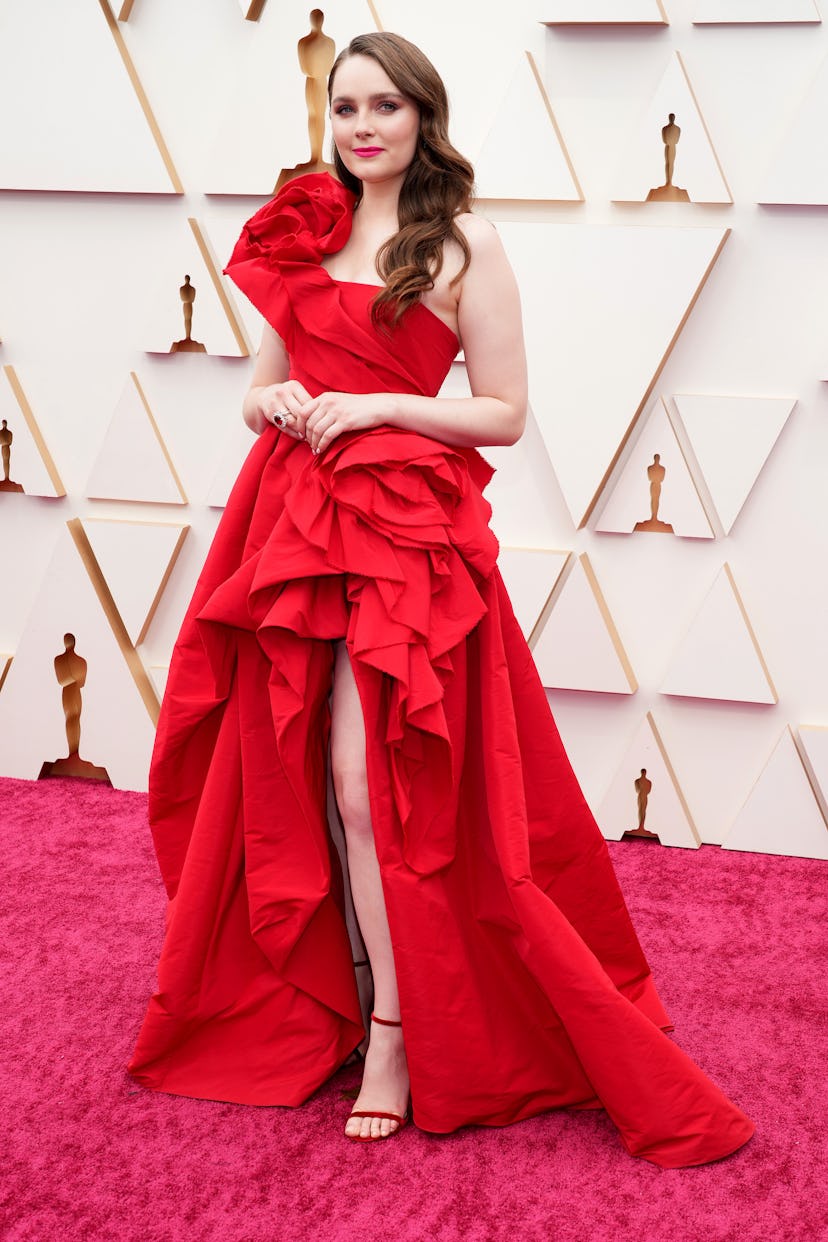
(480, 234)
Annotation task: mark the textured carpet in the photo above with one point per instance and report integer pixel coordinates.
(738, 947)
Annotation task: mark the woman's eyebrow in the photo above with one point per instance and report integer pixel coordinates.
(371, 98)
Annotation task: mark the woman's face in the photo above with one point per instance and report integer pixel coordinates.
(375, 126)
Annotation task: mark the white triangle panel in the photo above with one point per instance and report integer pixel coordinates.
(537, 167)
(530, 575)
(719, 657)
(732, 438)
(116, 730)
(133, 463)
(31, 465)
(799, 172)
(754, 12)
(781, 814)
(94, 135)
(158, 676)
(631, 289)
(579, 647)
(678, 505)
(603, 12)
(215, 323)
(136, 559)
(641, 167)
(667, 813)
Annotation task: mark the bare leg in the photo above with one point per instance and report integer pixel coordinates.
(385, 1081)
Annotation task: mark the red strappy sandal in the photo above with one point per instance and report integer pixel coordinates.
(401, 1121)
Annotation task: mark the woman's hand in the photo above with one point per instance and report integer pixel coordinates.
(265, 403)
(325, 417)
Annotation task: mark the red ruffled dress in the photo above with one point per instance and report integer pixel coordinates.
(522, 984)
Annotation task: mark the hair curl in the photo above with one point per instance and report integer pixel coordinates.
(438, 185)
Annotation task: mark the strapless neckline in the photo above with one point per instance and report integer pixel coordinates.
(364, 284)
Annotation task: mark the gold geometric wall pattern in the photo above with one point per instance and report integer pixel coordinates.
(754, 12)
(26, 465)
(581, 287)
(669, 155)
(236, 446)
(797, 174)
(119, 704)
(5, 665)
(655, 491)
(812, 744)
(602, 12)
(781, 814)
(133, 462)
(539, 166)
(136, 560)
(101, 138)
(719, 656)
(252, 9)
(575, 643)
(530, 576)
(645, 793)
(248, 151)
(192, 311)
(732, 438)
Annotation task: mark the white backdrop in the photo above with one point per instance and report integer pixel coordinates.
(651, 327)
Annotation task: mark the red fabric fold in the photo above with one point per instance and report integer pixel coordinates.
(522, 984)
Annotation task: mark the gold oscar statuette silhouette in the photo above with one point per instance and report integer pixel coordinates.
(669, 193)
(7, 484)
(317, 53)
(643, 789)
(655, 473)
(70, 671)
(187, 294)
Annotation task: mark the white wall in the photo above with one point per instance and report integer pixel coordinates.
(82, 270)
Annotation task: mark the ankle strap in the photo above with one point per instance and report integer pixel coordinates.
(383, 1021)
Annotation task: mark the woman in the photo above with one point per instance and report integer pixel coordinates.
(352, 594)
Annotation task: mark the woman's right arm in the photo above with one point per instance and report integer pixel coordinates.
(271, 392)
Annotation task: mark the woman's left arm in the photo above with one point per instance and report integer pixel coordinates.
(491, 331)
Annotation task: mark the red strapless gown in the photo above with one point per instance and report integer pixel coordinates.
(522, 984)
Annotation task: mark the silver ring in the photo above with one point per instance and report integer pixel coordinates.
(280, 419)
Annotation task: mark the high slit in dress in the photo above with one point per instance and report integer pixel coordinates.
(522, 984)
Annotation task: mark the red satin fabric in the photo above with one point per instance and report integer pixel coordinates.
(522, 984)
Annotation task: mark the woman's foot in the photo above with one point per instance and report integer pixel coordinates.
(385, 1085)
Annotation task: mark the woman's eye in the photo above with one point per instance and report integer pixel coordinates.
(387, 106)
(343, 109)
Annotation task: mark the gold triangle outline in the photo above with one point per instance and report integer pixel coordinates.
(751, 633)
(183, 531)
(164, 450)
(555, 594)
(656, 373)
(5, 665)
(556, 128)
(110, 608)
(236, 326)
(691, 473)
(34, 431)
(819, 793)
(710, 505)
(810, 777)
(671, 772)
(543, 611)
(141, 94)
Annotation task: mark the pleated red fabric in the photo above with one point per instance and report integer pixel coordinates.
(522, 983)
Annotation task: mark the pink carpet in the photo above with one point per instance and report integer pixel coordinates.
(738, 947)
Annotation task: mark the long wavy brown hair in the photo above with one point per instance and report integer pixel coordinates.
(438, 185)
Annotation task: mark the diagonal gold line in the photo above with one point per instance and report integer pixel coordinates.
(34, 430)
(142, 96)
(659, 368)
(218, 284)
(672, 774)
(116, 624)
(159, 438)
(548, 103)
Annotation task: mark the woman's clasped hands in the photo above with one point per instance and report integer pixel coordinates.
(319, 420)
